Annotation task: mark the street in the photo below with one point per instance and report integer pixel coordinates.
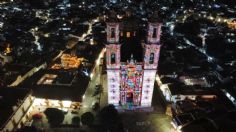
(88, 98)
(156, 121)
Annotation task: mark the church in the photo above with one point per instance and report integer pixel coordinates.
(132, 55)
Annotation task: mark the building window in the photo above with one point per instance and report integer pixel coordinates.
(112, 32)
(151, 60)
(127, 34)
(113, 58)
(154, 35)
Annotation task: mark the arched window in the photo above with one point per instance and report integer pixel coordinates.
(112, 32)
(154, 35)
(113, 58)
(151, 60)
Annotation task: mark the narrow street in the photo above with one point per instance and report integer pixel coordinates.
(88, 98)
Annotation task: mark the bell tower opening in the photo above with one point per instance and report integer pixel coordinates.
(154, 35)
(113, 58)
(112, 32)
(151, 60)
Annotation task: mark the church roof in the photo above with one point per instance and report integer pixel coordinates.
(131, 46)
(112, 16)
(130, 23)
(154, 17)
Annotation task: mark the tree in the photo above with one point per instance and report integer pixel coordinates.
(87, 119)
(110, 119)
(76, 120)
(54, 116)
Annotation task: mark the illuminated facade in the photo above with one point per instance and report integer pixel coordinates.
(131, 83)
(68, 62)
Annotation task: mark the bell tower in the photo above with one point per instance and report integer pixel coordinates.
(151, 58)
(113, 46)
(113, 61)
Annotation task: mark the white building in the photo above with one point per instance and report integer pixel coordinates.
(14, 106)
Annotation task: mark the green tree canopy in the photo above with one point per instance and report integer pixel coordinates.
(87, 119)
(55, 116)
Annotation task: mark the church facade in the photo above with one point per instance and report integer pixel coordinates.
(131, 83)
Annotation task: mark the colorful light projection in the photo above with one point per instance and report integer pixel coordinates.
(131, 83)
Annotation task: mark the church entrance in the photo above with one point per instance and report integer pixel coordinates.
(129, 99)
(131, 84)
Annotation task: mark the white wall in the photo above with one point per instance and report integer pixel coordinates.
(147, 88)
(18, 115)
(113, 86)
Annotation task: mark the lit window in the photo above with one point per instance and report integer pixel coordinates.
(128, 34)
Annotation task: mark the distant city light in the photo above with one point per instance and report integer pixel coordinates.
(119, 16)
(95, 20)
(211, 17)
(85, 72)
(209, 58)
(46, 35)
(1, 24)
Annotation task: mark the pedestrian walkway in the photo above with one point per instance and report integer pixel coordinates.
(134, 109)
